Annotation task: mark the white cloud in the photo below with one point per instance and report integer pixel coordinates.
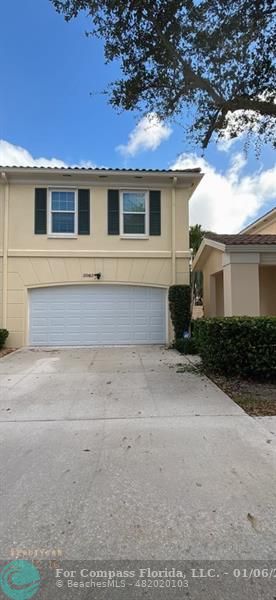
(235, 122)
(226, 142)
(225, 202)
(16, 156)
(86, 164)
(147, 135)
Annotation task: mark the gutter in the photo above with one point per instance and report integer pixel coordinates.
(5, 249)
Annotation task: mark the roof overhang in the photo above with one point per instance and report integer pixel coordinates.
(204, 251)
(265, 219)
(189, 178)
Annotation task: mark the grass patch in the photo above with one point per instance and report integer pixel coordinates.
(256, 398)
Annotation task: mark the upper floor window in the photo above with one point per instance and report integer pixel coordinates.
(63, 212)
(134, 214)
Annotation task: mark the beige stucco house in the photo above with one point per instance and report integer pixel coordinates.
(87, 255)
(239, 271)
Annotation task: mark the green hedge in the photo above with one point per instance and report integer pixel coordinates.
(186, 346)
(180, 308)
(242, 346)
(3, 336)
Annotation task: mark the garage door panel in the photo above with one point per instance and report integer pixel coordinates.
(95, 315)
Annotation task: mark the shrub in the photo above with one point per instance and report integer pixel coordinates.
(186, 346)
(180, 308)
(3, 336)
(242, 346)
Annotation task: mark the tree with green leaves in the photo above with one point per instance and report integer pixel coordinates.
(211, 59)
(196, 237)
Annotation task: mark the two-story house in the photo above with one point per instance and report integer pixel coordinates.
(87, 255)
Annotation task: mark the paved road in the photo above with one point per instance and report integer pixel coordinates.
(122, 453)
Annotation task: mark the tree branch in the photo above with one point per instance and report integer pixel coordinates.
(211, 129)
(199, 81)
(243, 103)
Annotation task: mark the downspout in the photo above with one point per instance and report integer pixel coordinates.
(5, 249)
(173, 232)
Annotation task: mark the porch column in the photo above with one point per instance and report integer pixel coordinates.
(241, 285)
(213, 299)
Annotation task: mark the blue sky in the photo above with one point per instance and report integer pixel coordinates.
(49, 69)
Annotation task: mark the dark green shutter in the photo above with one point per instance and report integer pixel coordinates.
(41, 211)
(84, 212)
(155, 213)
(113, 212)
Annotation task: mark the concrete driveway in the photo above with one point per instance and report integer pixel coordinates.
(124, 453)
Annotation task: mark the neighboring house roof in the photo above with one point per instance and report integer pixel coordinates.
(233, 243)
(241, 239)
(267, 217)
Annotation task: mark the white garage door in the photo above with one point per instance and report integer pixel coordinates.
(97, 314)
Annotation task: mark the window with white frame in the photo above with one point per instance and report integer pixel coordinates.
(63, 212)
(134, 213)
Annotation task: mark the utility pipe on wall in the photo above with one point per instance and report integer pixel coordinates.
(5, 250)
(173, 231)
